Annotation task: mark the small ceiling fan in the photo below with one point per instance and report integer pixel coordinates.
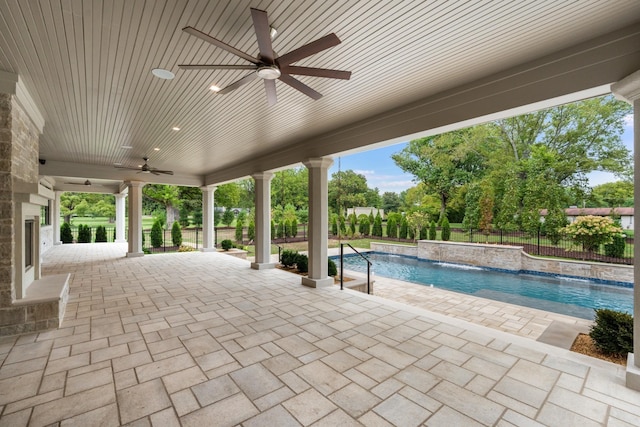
(268, 66)
(87, 183)
(145, 168)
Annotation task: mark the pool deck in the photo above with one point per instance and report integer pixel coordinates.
(197, 339)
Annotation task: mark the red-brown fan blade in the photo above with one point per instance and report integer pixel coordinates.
(216, 67)
(297, 84)
(235, 85)
(309, 49)
(316, 72)
(220, 44)
(261, 26)
(270, 88)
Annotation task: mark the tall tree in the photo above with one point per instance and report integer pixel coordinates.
(613, 194)
(347, 189)
(390, 202)
(445, 162)
(290, 186)
(168, 196)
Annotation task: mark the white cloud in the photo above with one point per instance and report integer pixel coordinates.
(366, 173)
(628, 120)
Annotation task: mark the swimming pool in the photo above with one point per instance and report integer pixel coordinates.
(573, 297)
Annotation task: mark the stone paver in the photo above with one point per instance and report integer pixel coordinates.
(200, 338)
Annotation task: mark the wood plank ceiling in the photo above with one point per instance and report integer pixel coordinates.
(87, 64)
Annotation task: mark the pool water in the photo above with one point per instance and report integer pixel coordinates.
(573, 297)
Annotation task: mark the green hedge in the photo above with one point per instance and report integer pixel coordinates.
(612, 332)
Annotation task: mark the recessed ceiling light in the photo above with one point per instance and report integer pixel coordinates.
(273, 32)
(162, 73)
(156, 149)
(215, 88)
(126, 147)
(176, 128)
(117, 164)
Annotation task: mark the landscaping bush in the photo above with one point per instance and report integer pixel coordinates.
(176, 234)
(273, 230)
(184, 248)
(66, 236)
(377, 226)
(226, 244)
(288, 258)
(84, 234)
(239, 230)
(333, 269)
(364, 227)
(114, 234)
(251, 231)
(615, 249)
(446, 230)
(343, 226)
(432, 230)
(302, 263)
(612, 332)
(294, 227)
(592, 231)
(156, 235)
(404, 228)
(334, 227)
(392, 229)
(101, 234)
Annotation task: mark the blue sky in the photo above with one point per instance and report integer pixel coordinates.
(381, 171)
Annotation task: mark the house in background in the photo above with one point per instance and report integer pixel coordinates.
(624, 215)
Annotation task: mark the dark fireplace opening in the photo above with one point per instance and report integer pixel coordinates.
(28, 243)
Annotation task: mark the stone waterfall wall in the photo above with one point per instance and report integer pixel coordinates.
(511, 258)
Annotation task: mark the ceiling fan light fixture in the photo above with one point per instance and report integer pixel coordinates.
(161, 73)
(273, 33)
(270, 72)
(215, 88)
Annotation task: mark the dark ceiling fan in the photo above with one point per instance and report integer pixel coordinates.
(86, 183)
(268, 66)
(145, 168)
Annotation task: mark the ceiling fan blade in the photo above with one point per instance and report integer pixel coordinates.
(220, 44)
(317, 72)
(216, 67)
(263, 33)
(309, 49)
(270, 88)
(127, 167)
(243, 81)
(158, 172)
(297, 84)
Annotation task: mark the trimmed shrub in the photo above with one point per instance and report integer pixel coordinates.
(156, 235)
(333, 269)
(423, 233)
(66, 236)
(239, 231)
(114, 234)
(432, 231)
(251, 231)
(294, 227)
(446, 229)
(612, 332)
(84, 234)
(226, 244)
(392, 228)
(273, 230)
(343, 226)
(615, 249)
(288, 258)
(404, 228)
(302, 263)
(184, 248)
(101, 234)
(280, 230)
(364, 227)
(176, 234)
(334, 227)
(377, 226)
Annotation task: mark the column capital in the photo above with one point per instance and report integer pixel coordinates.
(119, 195)
(135, 184)
(318, 162)
(263, 176)
(627, 89)
(209, 188)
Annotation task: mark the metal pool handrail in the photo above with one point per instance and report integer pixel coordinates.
(342, 266)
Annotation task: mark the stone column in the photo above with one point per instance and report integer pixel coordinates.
(120, 218)
(208, 231)
(318, 223)
(628, 89)
(135, 219)
(263, 221)
(55, 218)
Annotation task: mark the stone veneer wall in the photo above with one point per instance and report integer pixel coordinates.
(46, 238)
(19, 145)
(507, 258)
(7, 244)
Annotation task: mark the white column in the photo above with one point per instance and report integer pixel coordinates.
(628, 89)
(55, 218)
(263, 221)
(318, 223)
(208, 230)
(135, 219)
(120, 218)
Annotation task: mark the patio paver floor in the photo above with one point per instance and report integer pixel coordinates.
(201, 339)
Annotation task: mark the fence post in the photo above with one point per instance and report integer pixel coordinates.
(164, 240)
(538, 240)
(501, 236)
(215, 238)
(471, 235)
(196, 237)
